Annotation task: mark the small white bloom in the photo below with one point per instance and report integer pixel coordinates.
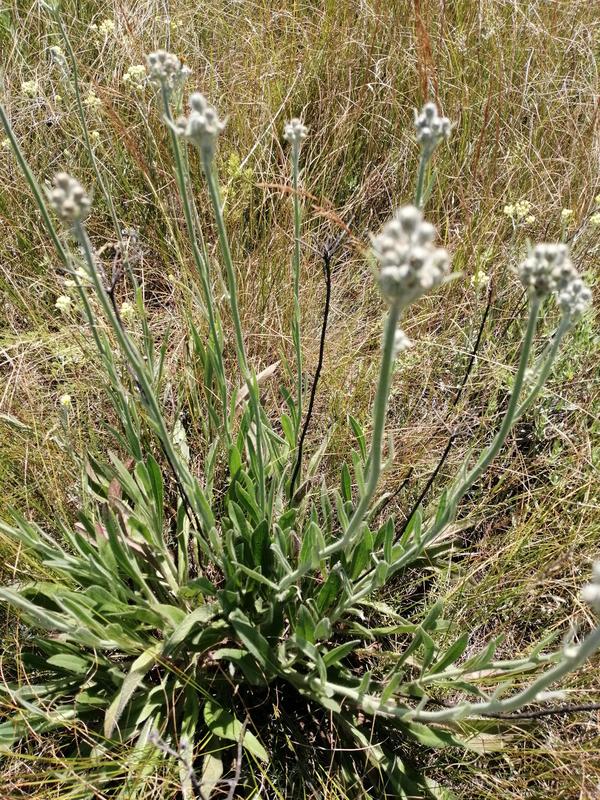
(68, 198)
(92, 101)
(202, 126)
(135, 76)
(4, 143)
(127, 311)
(410, 263)
(65, 400)
(401, 342)
(63, 303)
(566, 215)
(94, 137)
(106, 28)
(166, 69)
(595, 220)
(295, 132)
(480, 279)
(574, 298)
(546, 269)
(530, 219)
(431, 127)
(30, 88)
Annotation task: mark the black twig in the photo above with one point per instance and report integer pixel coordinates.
(238, 763)
(328, 253)
(475, 348)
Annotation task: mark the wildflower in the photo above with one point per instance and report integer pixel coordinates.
(30, 88)
(68, 198)
(547, 269)
(106, 28)
(58, 98)
(65, 400)
(135, 76)
(566, 215)
(590, 593)
(431, 128)
(93, 102)
(597, 199)
(295, 132)
(519, 211)
(127, 311)
(530, 219)
(574, 298)
(4, 143)
(401, 342)
(94, 137)
(410, 263)
(595, 220)
(202, 126)
(166, 69)
(480, 279)
(63, 303)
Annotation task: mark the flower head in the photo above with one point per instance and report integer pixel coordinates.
(135, 75)
(401, 342)
(295, 132)
(566, 215)
(202, 126)
(68, 198)
(30, 88)
(431, 127)
(65, 400)
(127, 311)
(574, 298)
(591, 592)
(166, 69)
(595, 220)
(92, 101)
(57, 54)
(410, 263)
(519, 211)
(546, 269)
(63, 303)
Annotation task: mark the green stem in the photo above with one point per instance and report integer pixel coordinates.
(296, 323)
(421, 178)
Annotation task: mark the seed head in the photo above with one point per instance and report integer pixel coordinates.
(295, 132)
(68, 198)
(431, 127)
(410, 263)
(574, 298)
(63, 303)
(202, 126)
(166, 69)
(401, 342)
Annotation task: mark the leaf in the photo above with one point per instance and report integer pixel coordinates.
(202, 614)
(15, 423)
(346, 484)
(212, 770)
(223, 724)
(329, 592)
(453, 653)
(251, 637)
(69, 663)
(429, 736)
(340, 652)
(360, 435)
(135, 676)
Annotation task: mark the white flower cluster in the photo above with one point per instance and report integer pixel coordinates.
(431, 127)
(203, 125)
(166, 69)
(68, 198)
(295, 132)
(401, 342)
(410, 263)
(591, 591)
(549, 269)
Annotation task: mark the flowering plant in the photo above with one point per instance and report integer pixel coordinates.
(181, 594)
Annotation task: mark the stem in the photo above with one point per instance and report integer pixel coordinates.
(421, 178)
(296, 322)
(199, 260)
(374, 469)
(213, 190)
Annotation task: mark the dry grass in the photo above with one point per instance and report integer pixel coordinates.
(521, 83)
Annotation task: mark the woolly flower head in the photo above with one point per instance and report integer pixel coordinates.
(566, 215)
(431, 127)
(68, 198)
(202, 126)
(574, 298)
(595, 220)
(65, 400)
(549, 269)
(166, 69)
(410, 262)
(63, 303)
(57, 54)
(295, 132)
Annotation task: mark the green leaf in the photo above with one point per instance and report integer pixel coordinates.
(223, 724)
(135, 676)
(453, 653)
(198, 616)
(360, 435)
(346, 484)
(70, 663)
(252, 639)
(329, 593)
(340, 652)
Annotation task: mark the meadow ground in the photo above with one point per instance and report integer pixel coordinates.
(520, 83)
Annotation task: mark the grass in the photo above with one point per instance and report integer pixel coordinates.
(519, 81)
